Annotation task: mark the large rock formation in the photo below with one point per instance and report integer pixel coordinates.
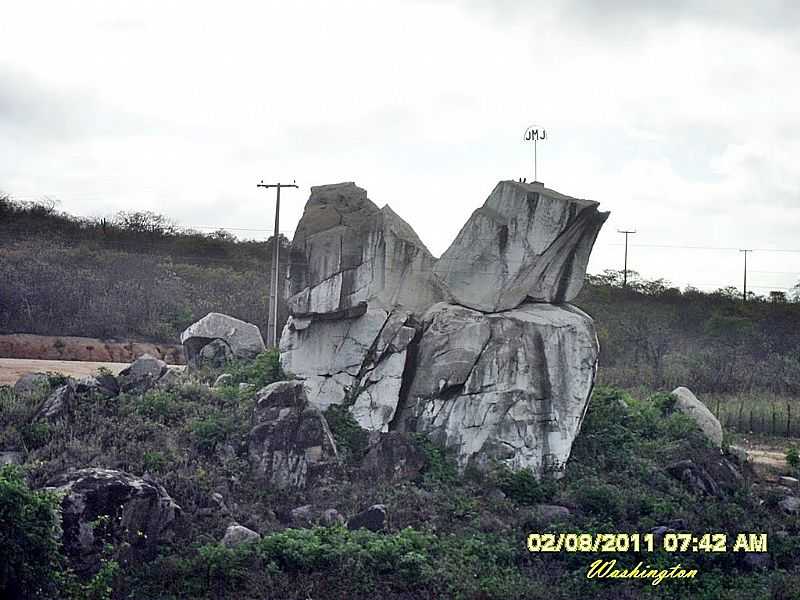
(526, 241)
(379, 325)
(509, 387)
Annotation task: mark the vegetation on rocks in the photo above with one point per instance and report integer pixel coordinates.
(448, 534)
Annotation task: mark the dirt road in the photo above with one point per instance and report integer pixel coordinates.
(12, 369)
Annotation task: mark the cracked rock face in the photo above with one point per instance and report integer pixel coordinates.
(470, 348)
(510, 387)
(526, 241)
(290, 444)
(103, 506)
(359, 362)
(347, 253)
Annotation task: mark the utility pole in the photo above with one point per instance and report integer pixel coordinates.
(625, 267)
(744, 292)
(272, 318)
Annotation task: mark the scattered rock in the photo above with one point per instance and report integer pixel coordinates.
(57, 403)
(496, 494)
(11, 457)
(236, 535)
(374, 519)
(290, 444)
(30, 384)
(331, 516)
(688, 404)
(551, 512)
(790, 482)
(526, 241)
(106, 506)
(246, 387)
(757, 561)
(142, 374)
(739, 454)
(232, 338)
(303, 515)
(219, 501)
(393, 456)
(171, 379)
(93, 385)
(695, 477)
(224, 379)
(790, 505)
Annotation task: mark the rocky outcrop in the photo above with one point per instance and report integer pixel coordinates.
(290, 445)
(510, 387)
(380, 326)
(687, 403)
(526, 241)
(347, 253)
(392, 456)
(103, 506)
(229, 338)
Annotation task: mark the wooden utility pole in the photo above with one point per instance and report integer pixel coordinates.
(744, 291)
(625, 267)
(272, 317)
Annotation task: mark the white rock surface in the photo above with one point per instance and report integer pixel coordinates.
(244, 339)
(687, 403)
(511, 387)
(358, 362)
(526, 241)
(347, 252)
(236, 535)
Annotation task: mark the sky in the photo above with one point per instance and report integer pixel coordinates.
(681, 117)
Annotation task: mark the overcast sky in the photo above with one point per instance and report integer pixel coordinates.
(682, 118)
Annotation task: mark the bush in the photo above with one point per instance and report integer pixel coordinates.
(351, 440)
(30, 534)
(793, 457)
(261, 371)
(523, 487)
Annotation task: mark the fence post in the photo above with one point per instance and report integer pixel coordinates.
(788, 419)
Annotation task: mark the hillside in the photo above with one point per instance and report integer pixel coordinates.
(436, 533)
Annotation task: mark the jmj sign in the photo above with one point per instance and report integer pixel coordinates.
(534, 134)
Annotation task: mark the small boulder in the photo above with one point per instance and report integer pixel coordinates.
(103, 506)
(331, 516)
(290, 444)
(236, 535)
(57, 403)
(30, 384)
(142, 374)
(170, 379)
(224, 379)
(91, 385)
(790, 482)
(695, 477)
(11, 457)
(242, 339)
(551, 512)
(393, 456)
(688, 404)
(739, 454)
(374, 519)
(790, 505)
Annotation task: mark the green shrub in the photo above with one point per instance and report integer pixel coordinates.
(160, 406)
(211, 431)
(523, 487)
(793, 457)
(601, 500)
(261, 371)
(30, 534)
(154, 461)
(440, 468)
(351, 439)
